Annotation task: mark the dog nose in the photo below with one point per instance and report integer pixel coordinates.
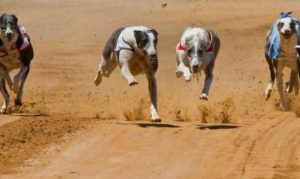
(9, 35)
(195, 68)
(153, 56)
(287, 32)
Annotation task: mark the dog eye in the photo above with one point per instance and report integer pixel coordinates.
(145, 41)
(280, 24)
(292, 24)
(200, 52)
(190, 51)
(3, 26)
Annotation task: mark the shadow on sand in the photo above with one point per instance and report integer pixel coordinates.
(218, 126)
(150, 124)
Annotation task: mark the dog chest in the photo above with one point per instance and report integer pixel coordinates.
(12, 60)
(287, 46)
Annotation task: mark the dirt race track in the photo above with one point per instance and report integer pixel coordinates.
(68, 128)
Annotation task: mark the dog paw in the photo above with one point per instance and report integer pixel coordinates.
(283, 108)
(3, 111)
(156, 120)
(204, 97)
(133, 82)
(98, 80)
(288, 87)
(187, 78)
(296, 92)
(268, 94)
(178, 74)
(18, 102)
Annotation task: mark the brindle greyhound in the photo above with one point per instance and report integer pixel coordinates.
(286, 57)
(16, 52)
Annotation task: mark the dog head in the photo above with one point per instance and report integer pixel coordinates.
(147, 42)
(286, 27)
(195, 46)
(8, 27)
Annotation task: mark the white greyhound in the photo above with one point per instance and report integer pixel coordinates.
(196, 51)
(134, 50)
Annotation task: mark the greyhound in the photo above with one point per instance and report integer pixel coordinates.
(197, 51)
(280, 53)
(16, 52)
(134, 50)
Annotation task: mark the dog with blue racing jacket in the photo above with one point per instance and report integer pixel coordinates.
(280, 52)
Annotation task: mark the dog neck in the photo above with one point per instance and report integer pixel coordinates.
(9, 45)
(287, 45)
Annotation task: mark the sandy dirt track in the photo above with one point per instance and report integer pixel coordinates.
(68, 128)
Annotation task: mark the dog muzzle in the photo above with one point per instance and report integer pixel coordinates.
(152, 61)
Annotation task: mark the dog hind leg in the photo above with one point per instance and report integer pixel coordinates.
(290, 85)
(272, 78)
(296, 82)
(106, 66)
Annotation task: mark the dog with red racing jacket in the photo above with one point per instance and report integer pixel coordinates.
(16, 52)
(197, 51)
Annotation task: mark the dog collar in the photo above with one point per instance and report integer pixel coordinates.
(210, 47)
(3, 53)
(130, 47)
(181, 47)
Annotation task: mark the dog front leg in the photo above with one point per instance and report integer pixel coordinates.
(22, 77)
(18, 77)
(207, 81)
(124, 58)
(296, 82)
(5, 96)
(152, 87)
(293, 84)
(182, 67)
(6, 76)
(283, 100)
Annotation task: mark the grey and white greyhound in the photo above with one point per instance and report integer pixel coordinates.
(287, 57)
(197, 51)
(134, 50)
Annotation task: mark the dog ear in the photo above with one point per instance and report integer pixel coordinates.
(187, 39)
(154, 32)
(141, 38)
(1, 17)
(15, 18)
(293, 25)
